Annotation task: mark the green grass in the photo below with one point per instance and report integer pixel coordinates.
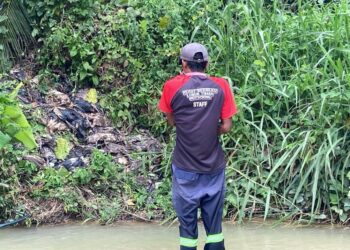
(291, 79)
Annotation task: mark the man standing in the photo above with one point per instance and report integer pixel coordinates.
(201, 107)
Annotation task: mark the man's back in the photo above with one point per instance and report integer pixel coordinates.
(198, 102)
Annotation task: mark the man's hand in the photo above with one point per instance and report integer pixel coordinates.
(225, 126)
(170, 118)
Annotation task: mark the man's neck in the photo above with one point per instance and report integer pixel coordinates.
(195, 73)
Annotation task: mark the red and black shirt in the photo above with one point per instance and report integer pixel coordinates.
(198, 103)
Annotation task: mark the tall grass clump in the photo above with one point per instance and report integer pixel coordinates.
(290, 148)
(15, 32)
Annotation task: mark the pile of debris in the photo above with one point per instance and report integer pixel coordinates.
(64, 114)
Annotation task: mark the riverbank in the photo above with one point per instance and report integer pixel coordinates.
(85, 168)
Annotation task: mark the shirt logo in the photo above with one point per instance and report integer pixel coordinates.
(200, 96)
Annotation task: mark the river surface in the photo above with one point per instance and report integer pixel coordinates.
(135, 236)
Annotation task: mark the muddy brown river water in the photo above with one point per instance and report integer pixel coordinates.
(135, 236)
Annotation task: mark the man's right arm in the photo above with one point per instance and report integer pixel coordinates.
(165, 106)
(170, 118)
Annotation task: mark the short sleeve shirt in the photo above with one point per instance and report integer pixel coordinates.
(198, 103)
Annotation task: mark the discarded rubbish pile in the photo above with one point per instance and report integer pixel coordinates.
(81, 115)
(72, 127)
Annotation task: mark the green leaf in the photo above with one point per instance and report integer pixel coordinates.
(343, 217)
(16, 124)
(35, 32)
(260, 73)
(120, 113)
(15, 114)
(143, 26)
(95, 80)
(3, 30)
(73, 52)
(337, 210)
(27, 138)
(14, 93)
(267, 203)
(82, 75)
(3, 18)
(334, 199)
(62, 148)
(87, 66)
(4, 139)
(348, 175)
(259, 63)
(4, 185)
(232, 199)
(164, 22)
(91, 96)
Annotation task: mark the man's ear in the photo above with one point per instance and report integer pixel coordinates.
(184, 64)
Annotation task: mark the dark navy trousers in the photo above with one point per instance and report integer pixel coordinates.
(193, 191)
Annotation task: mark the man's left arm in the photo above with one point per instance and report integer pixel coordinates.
(225, 126)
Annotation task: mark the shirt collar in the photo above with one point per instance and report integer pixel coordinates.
(196, 74)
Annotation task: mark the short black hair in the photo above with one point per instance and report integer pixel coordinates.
(197, 66)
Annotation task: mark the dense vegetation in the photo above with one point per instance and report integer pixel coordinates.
(288, 63)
